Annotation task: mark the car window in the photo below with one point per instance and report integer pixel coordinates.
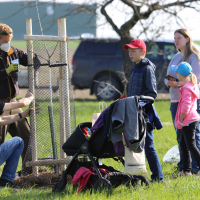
(161, 50)
(153, 52)
(169, 51)
(101, 48)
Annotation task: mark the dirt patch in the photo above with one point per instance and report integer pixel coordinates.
(43, 180)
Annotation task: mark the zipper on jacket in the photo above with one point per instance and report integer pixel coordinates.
(14, 87)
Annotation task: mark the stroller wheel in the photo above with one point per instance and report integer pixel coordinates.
(58, 187)
(142, 179)
(117, 178)
(102, 184)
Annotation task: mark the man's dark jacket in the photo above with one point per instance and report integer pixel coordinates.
(9, 82)
(143, 80)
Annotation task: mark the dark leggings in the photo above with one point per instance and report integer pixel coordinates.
(188, 145)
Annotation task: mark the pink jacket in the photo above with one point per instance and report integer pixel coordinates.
(187, 104)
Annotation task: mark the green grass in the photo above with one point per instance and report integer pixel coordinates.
(21, 44)
(198, 42)
(180, 188)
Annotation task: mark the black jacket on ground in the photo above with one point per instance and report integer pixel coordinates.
(9, 82)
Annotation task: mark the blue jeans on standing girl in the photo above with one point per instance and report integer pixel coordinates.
(195, 167)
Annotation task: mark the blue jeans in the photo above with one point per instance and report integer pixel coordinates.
(10, 152)
(195, 167)
(152, 157)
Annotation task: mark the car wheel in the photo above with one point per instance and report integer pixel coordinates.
(104, 88)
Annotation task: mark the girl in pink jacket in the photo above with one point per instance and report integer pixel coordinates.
(187, 117)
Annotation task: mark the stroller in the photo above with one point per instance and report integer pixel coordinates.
(97, 146)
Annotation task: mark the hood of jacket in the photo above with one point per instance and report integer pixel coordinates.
(145, 61)
(192, 88)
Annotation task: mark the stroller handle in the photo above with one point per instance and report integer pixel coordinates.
(142, 97)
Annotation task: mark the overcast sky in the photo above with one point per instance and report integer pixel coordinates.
(116, 11)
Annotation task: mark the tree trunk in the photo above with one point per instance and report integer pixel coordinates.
(128, 64)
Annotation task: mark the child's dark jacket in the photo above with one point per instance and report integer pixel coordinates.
(143, 80)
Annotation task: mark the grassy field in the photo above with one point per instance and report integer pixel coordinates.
(73, 44)
(172, 188)
(21, 44)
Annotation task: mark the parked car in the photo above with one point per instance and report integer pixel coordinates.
(23, 78)
(97, 65)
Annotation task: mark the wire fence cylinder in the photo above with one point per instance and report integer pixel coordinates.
(51, 90)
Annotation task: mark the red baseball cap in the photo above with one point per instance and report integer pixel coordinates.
(135, 44)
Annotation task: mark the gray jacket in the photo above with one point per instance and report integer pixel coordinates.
(124, 119)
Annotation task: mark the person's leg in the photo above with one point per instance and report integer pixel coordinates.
(185, 152)
(3, 132)
(152, 157)
(189, 135)
(21, 129)
(173, 109)
(195, 167)
(3, 129)
(10, 152)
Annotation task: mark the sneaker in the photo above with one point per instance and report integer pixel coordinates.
(182, 173)
(5, 183)
(17, 175)
(196, 173)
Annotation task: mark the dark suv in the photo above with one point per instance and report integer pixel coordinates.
(98, 65)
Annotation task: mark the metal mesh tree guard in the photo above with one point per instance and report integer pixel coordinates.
(50, 82)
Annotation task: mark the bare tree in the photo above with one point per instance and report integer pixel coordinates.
(144, 14)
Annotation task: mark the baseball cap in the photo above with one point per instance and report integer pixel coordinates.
(183, 68)
(135, 44)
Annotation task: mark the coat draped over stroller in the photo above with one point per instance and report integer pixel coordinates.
(100, 145)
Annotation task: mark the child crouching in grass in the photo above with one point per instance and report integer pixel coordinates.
(187, 117)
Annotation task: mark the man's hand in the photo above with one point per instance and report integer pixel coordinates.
(28, 94)
(11, 68)
(172, 83)
(28, 99)
(182, 116)
(36, 62)
(26, 113)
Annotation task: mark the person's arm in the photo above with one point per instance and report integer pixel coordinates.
(5, 120)
(23, 58)
(19, 104)
(168, 69)
(172, 82)
(186, 103)
(175, 84)
(193, 61)
(182, 116)
(150, 82)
